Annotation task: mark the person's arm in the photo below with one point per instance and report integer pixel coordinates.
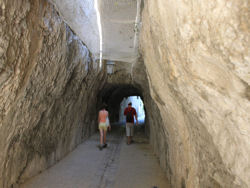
(109, 127)
(125, 112)
(136, 118)
(98, 117)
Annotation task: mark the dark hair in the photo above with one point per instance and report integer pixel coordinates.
(130, 103)
(104, 106)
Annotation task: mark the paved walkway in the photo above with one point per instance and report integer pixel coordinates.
(117, 166)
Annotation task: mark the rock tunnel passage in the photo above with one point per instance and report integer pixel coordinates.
(187, 60)
(114, 94)
(118, 165)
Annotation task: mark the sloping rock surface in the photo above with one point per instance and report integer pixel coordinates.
(196, 55)
(48, 85)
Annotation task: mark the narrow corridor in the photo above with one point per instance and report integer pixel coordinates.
(117, 166)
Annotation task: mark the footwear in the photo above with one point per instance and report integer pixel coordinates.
(100, 147)
(105, 145)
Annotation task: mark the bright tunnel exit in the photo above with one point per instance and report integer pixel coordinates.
(137, 103)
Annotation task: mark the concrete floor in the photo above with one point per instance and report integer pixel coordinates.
(117, 166)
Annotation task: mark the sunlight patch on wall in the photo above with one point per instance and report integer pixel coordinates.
(99, 29)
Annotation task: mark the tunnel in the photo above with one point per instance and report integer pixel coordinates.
(187, 60)
(112, 95)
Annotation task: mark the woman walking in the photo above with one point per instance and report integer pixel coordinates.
(103, 126)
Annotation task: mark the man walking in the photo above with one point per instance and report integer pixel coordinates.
(130, 113)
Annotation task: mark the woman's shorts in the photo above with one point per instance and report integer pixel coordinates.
(103, 126)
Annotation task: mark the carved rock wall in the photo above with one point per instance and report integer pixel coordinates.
(196, 55)
(48, 83)
(195, 86)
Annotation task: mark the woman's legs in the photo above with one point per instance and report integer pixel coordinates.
(104, 136)
(101, 136)
(103, 133)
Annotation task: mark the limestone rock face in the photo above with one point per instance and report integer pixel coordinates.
(193, 77)
(48, 87)
(81, 16)
(196, 55)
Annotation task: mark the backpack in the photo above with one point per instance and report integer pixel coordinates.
(129, 116)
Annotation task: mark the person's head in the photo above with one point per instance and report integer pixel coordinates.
(104, 107)
(130, 104)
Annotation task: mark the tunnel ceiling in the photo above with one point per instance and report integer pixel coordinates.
(118, 20)
(115, 93)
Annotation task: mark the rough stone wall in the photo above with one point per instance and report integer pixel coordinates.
(47, 84)
(79, 14)
(154, 125)
(196, 55)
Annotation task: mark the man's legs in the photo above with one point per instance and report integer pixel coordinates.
(129, 140)
(129, 132)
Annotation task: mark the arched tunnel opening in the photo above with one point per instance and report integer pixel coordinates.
(117, 97)
(138, 104)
